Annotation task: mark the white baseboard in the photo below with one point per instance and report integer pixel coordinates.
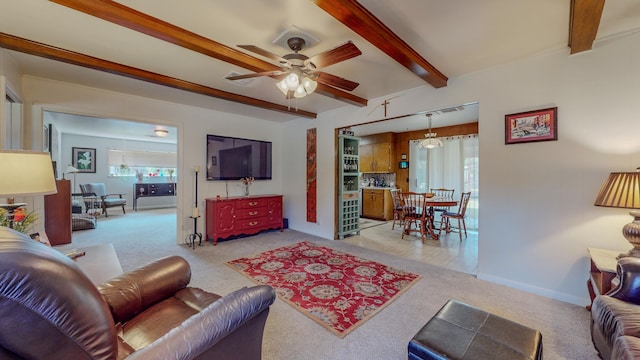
(536, 290)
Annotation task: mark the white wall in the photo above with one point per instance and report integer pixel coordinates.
(9, 80)
(193, 124)
(536, 200)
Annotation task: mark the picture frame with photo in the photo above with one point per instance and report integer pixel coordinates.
(531, 126)
(84, 159)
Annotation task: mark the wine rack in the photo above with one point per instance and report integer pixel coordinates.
(348, 196)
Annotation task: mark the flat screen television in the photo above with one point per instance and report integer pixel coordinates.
(232, 158)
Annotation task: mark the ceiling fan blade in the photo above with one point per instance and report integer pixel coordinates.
(343, 52)
(335, 81)
(247, 76)
(265, 53)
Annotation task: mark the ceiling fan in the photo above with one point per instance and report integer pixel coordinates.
(298, 75)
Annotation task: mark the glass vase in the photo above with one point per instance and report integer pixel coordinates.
(246, 189)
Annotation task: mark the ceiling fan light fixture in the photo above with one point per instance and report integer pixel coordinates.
(292, 80)
(300, 92)
(161, 132)
(309, 85)
(282, 86)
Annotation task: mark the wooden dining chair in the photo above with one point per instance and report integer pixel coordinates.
(441, 192)
(414, 213)
(445, 224)
(398, 213)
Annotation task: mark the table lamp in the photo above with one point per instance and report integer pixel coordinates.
(622, 190)
(25, 173)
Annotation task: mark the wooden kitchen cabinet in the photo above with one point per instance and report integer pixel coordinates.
(377, 204)
(373, 204)
(376, 157)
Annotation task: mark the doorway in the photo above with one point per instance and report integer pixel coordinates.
(449, 251)
(124, 150)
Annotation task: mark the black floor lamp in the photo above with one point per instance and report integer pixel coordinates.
(191, 240)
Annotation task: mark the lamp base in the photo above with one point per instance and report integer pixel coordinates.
(631, 232)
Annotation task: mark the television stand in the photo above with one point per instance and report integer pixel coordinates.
(242, 215)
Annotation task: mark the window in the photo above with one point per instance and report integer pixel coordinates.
(142, 163)
(452, 166)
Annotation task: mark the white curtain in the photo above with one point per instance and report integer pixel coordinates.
(452, 166)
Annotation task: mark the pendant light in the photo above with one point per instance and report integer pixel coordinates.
(431, 140)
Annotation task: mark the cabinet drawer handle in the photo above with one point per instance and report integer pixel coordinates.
(253, 223)
(252, 213)
(253, 203)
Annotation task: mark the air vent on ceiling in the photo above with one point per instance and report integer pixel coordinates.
(309, 40)
(241, 82)
(452, 109)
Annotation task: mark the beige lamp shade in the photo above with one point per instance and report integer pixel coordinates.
(620, 190)
(26, 173)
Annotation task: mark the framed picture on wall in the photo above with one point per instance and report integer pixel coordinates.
(84, 159)
(537, 125)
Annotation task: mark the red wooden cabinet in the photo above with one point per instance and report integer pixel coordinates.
(242, 216)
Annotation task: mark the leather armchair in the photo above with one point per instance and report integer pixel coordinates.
(615, 317)
(51, 310)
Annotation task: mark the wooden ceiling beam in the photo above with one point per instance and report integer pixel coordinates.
(70, 57)
(365, 24)
(584, 20)
(132, 19)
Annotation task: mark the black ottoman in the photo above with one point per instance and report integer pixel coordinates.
(460, 331)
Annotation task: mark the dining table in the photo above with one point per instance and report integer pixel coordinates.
(429, 204)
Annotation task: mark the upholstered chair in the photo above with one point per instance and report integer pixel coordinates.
(51, 310)
(103, 199)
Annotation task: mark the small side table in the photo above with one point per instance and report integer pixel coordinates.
(602, 276)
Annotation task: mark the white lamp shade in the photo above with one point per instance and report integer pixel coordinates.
(292, 80)
(430, 142)
(300, 92)
(70, 169)
(282, 86)
(309, 85)
(26, 173)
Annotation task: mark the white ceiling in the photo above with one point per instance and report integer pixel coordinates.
(456, 36)
(112, 128)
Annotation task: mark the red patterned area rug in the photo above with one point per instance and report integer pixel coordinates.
(337, 290)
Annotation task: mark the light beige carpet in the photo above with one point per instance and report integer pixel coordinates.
(147, 235)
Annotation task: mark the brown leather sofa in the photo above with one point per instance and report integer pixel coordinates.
(615, 317)
(49, 309)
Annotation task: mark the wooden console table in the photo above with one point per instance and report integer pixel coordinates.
(246, 215)
(142, 190)
(602, 276)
